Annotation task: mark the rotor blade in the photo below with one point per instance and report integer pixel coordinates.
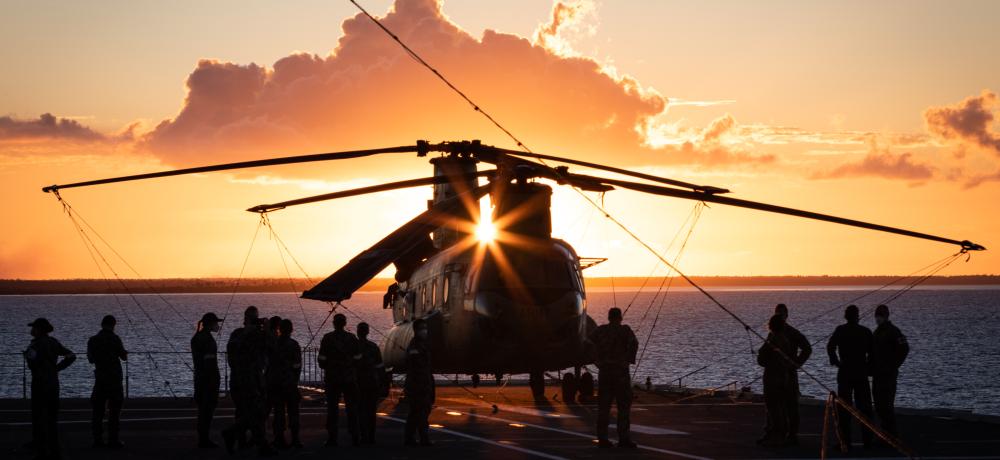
(649, 177)
(366, 190)
(363, 267)
(247, 164)
(708, 197)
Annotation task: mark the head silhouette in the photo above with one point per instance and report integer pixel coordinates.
(781, 309)
(285, 326)
(776, 324)
(881, 314)
(420, 329)
(339, 321)
(362, 330)
(851, 314)
(250, 316)
(108, 322)
(615, 315)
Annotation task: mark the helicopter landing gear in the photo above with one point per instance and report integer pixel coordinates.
(536, 380)
(569, 388)
(475, 380)
(499, 378)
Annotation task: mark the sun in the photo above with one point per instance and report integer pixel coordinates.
(485, 231)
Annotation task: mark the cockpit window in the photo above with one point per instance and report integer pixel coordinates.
(532, 273)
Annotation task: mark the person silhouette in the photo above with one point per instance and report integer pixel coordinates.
(801, 351)
(889, 351)
(849, 349)
(42, 356)
(106, 352)
(614, 347)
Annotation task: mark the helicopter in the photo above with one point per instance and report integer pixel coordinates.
(510, 303)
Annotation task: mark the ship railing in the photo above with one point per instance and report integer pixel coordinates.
(157, 373)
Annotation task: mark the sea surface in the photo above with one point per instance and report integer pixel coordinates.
(954, 335)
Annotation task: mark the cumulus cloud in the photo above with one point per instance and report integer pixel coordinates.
(367, 92)
(968, 122)
(880, 162)
(46, 127)
(569, 19)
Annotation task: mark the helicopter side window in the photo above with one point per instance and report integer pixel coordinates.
(446, 291)
(434, 288)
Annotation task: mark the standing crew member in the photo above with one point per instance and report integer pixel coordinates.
(339, 353)
(286, 367)
(419, 386)
(106, 352)
(371, 378)
(615, 348)
(247, 354)
(204, 354)
(850, 349)
(42, 356)
(773, 356)
(888, 354)
(801, 351)
(272, 376)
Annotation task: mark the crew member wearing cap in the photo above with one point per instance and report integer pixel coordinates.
(204, 353)
(889, 350)
(106, 352)
(42, 356)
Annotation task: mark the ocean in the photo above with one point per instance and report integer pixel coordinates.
(954, 361)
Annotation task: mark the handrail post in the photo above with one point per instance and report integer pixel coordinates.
(126, 379)
(24, 377)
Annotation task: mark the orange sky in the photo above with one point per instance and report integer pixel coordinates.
(878, 112)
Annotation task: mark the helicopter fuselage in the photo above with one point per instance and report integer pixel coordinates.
(484, 319)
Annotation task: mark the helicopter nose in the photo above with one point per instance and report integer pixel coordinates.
(536, 323)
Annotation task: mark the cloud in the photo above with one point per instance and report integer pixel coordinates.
(968, 122)
(980, 179)
(880, 162)
(46, 127)
(368, 93)
(569, 19)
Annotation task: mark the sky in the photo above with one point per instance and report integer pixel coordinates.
(881, 111)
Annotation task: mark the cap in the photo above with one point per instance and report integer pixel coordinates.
(210, 318)
(108, 320)
(43, 324)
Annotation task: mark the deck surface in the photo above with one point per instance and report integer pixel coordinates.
(466, 426)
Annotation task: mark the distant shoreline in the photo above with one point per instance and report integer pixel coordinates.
(248, 285)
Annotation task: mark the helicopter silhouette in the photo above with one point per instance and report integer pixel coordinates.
(511, 304)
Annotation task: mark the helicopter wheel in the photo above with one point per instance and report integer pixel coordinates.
(536, 380)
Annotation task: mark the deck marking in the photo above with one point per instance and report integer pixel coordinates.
(646, 429)
(516, 409)
(583, 435)
(487, 441)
